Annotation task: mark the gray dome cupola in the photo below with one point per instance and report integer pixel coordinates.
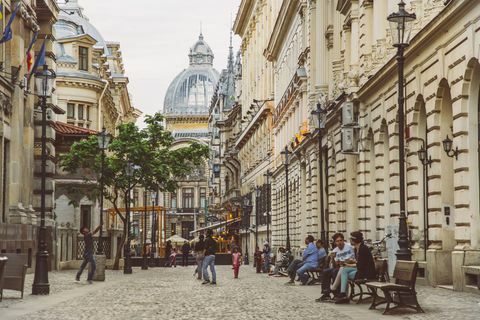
(191, 91)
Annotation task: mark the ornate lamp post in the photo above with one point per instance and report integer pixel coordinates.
(144, 256)
(103, 142)
(321, 114)
(127, 267)
(258, 193)
(44, 80)
(286, 154)
(246, 212)
(401, 26)
(426, 161)
(268, 175)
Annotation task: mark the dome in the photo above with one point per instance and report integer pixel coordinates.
(191, 91)
(72, 23)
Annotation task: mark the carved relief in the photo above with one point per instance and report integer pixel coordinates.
(6, 104)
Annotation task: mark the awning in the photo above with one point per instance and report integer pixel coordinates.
(217, 225)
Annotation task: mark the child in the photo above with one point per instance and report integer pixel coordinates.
(173, 258)
(237, 260)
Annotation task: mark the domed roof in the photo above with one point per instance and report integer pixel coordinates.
(191, 91)
(72, 22)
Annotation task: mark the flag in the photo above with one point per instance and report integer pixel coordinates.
(8, 33)
(40, 60)
(31, 53)
(1, 10)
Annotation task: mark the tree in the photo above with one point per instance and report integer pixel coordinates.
(160, 166)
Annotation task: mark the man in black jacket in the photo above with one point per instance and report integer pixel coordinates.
(209, 260)
(185, 253)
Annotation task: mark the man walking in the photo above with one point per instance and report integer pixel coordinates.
(185, 253)
(209, 259)
(88, 254)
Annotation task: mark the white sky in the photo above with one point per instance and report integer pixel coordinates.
(156, 36)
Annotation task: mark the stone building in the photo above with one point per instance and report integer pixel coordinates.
(19, 128)
(92, 91)
(339, 53)
(186, 115)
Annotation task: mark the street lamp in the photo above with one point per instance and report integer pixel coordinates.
(448, 148)
(426, 161)
(401, 23)
(258, 193)
(44, 80)
(154, 227)
(286, 153)
(127, 266)
(144, 256)
(103, 142)
(321, 114)
(246, 221)
(268, 175)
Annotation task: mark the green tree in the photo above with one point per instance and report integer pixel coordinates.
(160, 165)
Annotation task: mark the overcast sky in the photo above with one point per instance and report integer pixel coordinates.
(156, 35)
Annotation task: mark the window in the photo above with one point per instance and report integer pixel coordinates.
(70, 111)
(83, 58)
(135, 198)
(174, 201)
(187, 198)
(173, 229)
(203, 198)
(88, 113)
(80, 112)
(86, 212)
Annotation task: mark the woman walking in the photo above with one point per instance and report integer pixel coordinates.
(237, 260)
(199, 249)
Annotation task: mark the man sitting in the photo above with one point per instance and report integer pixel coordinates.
(282, 262)
(310, 259)
(343, 253)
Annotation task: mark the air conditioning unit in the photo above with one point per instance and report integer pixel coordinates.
(350, 138)
(349, 114)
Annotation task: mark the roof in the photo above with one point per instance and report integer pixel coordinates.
(71, 130)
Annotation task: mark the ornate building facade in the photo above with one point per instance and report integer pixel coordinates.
(339, 52)
(186, 115)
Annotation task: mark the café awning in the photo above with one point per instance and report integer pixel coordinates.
(217, 225)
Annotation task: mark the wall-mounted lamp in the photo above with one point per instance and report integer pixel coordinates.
(448, 147)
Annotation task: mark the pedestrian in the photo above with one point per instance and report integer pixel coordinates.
(199, 249)
(209, 260)
(266, 257)
(237, 260)
(185, 253)
(88, 254)
(258, 259)
(168, 252)
(173, 258)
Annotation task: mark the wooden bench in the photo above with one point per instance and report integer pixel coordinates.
(3, 262)
(405, 275)
(15, 271)
(381, 275)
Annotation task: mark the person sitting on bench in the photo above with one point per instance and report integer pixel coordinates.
(341, 254)
(282, 262)
(310, 259)
(362, 268)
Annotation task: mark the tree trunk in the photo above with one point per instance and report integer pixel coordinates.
(116, 264)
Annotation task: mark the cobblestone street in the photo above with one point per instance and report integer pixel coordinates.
(174, 294)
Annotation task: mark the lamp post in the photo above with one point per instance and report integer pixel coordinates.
(144, 256)
(154, 227)
(401, 25)
(268, 175)
(286, 154)
(426, 161)
(103, 142)
(321, 114)
(44, 84)
(246, 212)
(127, 266)
(258, 193)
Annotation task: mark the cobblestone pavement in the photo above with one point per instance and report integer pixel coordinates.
(174, 294)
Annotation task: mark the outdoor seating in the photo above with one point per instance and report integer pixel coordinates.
(3, 262)
(316, 275)
(15, 271)
(405, 275)
(381, 271)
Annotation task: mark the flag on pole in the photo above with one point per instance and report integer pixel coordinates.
(31, 53)
(1, 10)
(40, 61)
(8, 33)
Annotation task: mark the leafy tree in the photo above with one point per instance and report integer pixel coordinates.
(160, 165)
